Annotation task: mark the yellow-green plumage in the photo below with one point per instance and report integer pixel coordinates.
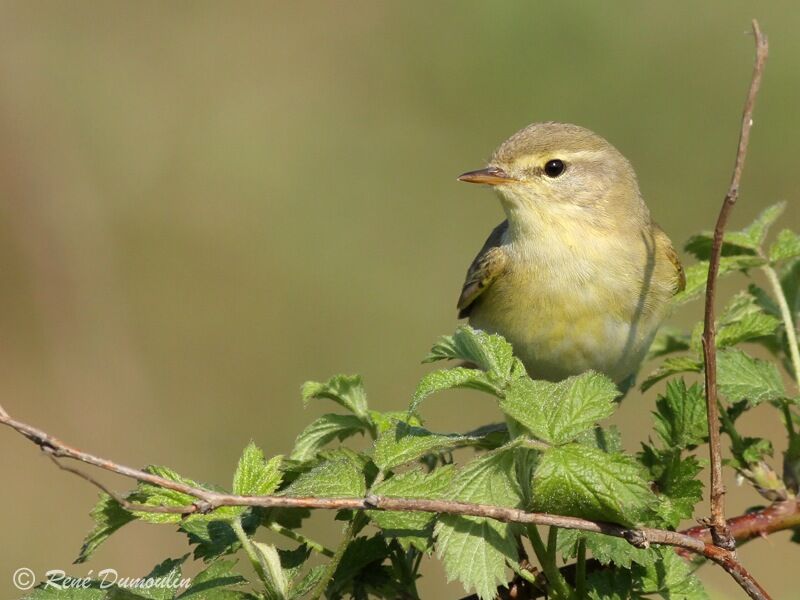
(578, 277)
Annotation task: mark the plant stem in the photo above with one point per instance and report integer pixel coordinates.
(299, 537)
(251, 552)
(788, 322)
(555, 579)
(347, 537)
(580, 569)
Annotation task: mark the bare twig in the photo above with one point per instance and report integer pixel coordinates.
(719, 529)
(206, 501)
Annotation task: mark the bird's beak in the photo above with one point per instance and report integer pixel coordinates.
(489, 176)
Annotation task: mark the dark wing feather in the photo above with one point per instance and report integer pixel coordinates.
(488, 264)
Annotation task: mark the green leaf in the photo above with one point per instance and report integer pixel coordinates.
(668, 340)
(558, 412)
(672, 366)
(255, 476)
(746, 241)
(681, 419)
(605, 548)
(168, 570)
(755, 449)
(741, 377)
(491, 353)
(734, 243)
(40, 592)
(108, 516)
(457, 377)
(697, 274)
(786, 245)
(362, 554)
(216, 582)
(606, 439)
(323, 430)
(580, 481)
(275, 579)
(339, 477)
(609, 584)
(345, 390)
(410, 528)
(669, 576)
(475, 550)
(153, 495)
(405, 443)
(750, 327)
(676, 483)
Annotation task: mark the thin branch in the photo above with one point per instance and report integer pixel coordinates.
(207, 500)
(720, 533)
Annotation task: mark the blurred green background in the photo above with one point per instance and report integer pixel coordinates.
(204, 204)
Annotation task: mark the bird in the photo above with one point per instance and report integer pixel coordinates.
(578, 277)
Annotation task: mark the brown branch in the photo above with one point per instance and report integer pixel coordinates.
(719, 530)
(207, 500)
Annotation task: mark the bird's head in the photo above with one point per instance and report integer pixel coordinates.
(556, 170)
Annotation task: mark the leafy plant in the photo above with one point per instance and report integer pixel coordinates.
(553, 455)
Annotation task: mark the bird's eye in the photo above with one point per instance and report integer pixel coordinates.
(554, 168)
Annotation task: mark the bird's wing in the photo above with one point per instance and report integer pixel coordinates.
(679, 274)
(488, 264)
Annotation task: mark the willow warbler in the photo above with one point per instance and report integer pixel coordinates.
(578, 276)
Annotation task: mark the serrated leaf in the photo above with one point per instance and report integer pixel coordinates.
(734, 243)
(362, 554)
(755, 449)
(742, 377)
(681, 419)
(491, 353)
(697, 274)
(255, 476)
(669, 576)
(558, 412)
(325, 429)
(345, 390)
(786, 245)
(339, 477)
(609, 584)
(672, 366)
(410, 528)
(216, 582)
(446, 379)
(475, 550)
(41, 592)
(606, 549)
(676, 483)
(304, 585)
(168, 570)
(750, 327)
(153, 495)
(108, 517)
(405, 443)
(606, 439)
(215, 537)
(580, 481)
